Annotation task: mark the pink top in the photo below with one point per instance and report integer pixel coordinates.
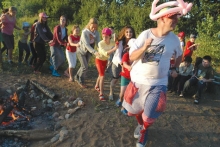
(8, 25)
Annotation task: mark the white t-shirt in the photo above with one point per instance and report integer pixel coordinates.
(152, 68)
(118, 54)
(182, 43)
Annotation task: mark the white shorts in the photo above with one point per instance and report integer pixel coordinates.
(71, 58)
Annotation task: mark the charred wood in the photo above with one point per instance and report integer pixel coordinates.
(44, 89)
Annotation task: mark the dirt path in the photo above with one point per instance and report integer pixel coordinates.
(100, 124)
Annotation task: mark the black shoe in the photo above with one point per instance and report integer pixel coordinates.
(10, 62)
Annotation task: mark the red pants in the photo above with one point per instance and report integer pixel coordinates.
(101, 66)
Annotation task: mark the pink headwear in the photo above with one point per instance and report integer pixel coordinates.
(107, 31)
(43, 14)
(181, 7)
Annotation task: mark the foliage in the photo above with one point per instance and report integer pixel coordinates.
(209, 39)
(203, 19)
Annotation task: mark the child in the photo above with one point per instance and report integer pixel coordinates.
(113, 38)
(33, 59)
(105, 48)
(124, 36)
(22, 43)
(125, 76)
(73, 40)
(181, 37)
(185, 73)
(190, 46)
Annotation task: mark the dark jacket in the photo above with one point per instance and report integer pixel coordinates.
(42, 33)
(57, 34)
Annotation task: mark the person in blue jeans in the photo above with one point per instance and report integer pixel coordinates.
(203, 75)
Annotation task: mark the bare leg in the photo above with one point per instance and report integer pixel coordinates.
(101, 84)
(112, 84)
(70, 74)
(122, 91)
(67, 72)
(97, 82)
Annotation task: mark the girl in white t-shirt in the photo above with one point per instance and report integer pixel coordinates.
(124, 36)
(73, 40)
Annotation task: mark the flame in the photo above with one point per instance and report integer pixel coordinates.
(15, 98)
(14, 117)
(1, 111)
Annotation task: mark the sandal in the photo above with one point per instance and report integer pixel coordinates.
(101, 98)
(97, 89)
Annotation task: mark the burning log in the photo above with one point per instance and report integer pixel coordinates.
(4, 113)
(44, 89)
(22, 98)
(28, 134)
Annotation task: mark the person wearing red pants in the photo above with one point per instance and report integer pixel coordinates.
(105, 48)
(145, 96)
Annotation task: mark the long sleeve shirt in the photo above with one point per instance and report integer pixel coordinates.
(185, 70)
(43, 33)
(85, 42)
(57, 37)
(103, 49)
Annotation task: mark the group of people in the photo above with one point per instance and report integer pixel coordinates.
(189, 75)
(142, 64)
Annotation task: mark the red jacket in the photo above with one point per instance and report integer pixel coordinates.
(57, 34)
(189, 52)
(32, 32)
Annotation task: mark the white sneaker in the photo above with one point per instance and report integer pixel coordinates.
(181, 94)
(137, 131)
(196, 101)
(140, 145)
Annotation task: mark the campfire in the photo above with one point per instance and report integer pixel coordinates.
(29, 114)
(12, 110)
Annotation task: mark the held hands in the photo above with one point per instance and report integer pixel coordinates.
(77, 45)
(129, 68)
(174, 74)
(50, 41)
(116, 45)
(96, 54)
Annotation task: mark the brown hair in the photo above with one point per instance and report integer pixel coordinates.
(10, 9)
(121, 35)
(66, 20)
(40, 21)
(74, 27)
(91, 21)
